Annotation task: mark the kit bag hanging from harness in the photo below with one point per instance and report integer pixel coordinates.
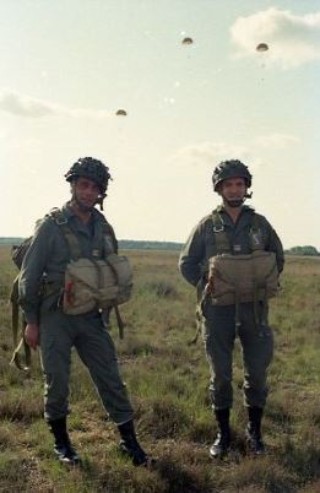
(93, 283)
(18, 322)
(234, 279)
(89, 283)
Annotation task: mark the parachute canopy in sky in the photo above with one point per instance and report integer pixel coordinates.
(121, 113)
(187, 41)
(261, 47)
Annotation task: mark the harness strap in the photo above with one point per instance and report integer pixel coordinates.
(75, 252)
(220, 235)
(256, 242)
(69, 236)
(223, 246)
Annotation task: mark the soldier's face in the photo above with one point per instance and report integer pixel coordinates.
(233, 191)
(85, 193)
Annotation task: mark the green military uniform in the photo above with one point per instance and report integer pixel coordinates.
(40, 287)
(218, 322)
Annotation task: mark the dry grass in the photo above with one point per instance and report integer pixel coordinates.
(168, 379)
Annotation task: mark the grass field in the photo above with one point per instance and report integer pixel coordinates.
(168, 382)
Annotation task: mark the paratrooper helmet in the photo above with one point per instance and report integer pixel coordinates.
(90, 168)
(232, 168)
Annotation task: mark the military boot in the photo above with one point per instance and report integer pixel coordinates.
(253, 431)
(221, 444)
(62, 446)
(130, 446)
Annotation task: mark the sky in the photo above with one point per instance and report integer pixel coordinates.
(67, 67)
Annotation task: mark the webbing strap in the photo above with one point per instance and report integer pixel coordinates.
(75, 252)
(222, 240)
(256, 242)
(223, 246)
(220, 235)
(69, 236)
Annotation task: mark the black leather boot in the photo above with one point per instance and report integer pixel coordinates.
(221, 444)
(130, 446)
(62, 446)
(253, 431)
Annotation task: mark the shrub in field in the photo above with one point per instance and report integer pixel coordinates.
(161, 288)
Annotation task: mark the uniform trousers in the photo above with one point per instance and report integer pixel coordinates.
(219, 332)
(59, 333)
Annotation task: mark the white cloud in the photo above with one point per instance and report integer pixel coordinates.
(277, 140)
(26, 106)
(292, 39)
(209, 153)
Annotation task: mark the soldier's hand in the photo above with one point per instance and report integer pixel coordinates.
(32, 335)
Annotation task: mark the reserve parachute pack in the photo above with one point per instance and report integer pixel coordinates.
(234, 279)
(90, 283)
(93, 283)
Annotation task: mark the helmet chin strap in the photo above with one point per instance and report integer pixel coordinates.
(238, 202)
(100, 200)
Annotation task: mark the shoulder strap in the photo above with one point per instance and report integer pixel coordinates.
(70, 237)
(221, 238)
(256, 238)
(73, 243)
(108, 230)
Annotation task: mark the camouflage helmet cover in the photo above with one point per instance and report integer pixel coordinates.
(231, 169)
(90, 168)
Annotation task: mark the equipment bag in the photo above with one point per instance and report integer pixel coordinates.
(243, 278)
(91, 283)
(19, 342)
(240, 278)
(18, 251)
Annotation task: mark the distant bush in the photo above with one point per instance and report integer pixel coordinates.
(162, 289)
(303, 250)
(149, 245)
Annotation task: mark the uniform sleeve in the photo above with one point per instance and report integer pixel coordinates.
(274, 245)
(113, 238)
(32, 270)
(191, 257)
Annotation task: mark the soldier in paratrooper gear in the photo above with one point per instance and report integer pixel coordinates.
(234, 257)
(42, 294)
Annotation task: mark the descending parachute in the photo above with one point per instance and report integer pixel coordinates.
(261, 47)
(121, 113)
(187, 41)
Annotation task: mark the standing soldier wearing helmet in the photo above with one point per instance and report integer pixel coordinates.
(234, 257)
(78, 225)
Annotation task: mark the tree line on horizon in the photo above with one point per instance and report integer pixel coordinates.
(305, 250)
(123, 244)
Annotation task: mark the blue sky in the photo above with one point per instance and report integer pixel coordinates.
(67, 66)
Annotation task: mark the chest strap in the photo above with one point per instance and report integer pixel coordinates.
(222, 241)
